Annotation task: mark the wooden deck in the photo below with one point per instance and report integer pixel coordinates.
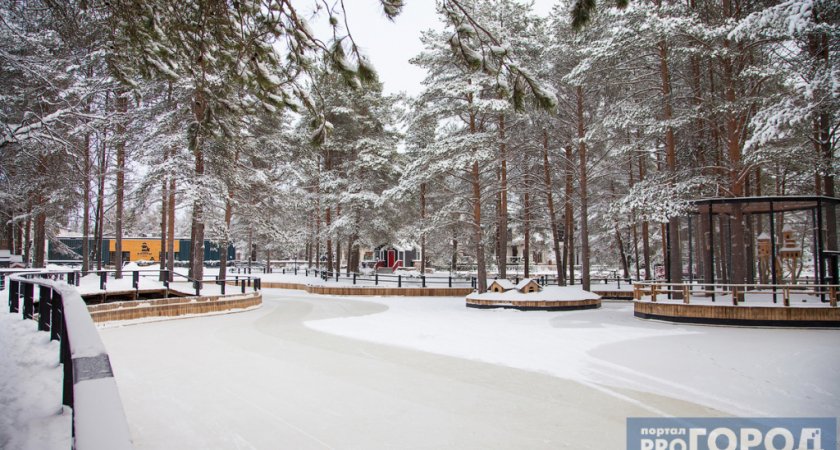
(818, 317)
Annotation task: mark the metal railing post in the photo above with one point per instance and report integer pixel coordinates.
(56, 313)
(423, 280)
(450, 280)
(399, 281)
(28, 301)
(14, 297)
(67, 361)
(44, 296)
(354, 278)
(242, 286)
(103, 279)
(376, 279)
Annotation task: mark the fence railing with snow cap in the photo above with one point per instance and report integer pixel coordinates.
(89, 388)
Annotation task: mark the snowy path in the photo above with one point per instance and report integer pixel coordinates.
(263, 379)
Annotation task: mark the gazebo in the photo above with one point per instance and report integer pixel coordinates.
(717, 216)
(731, 235)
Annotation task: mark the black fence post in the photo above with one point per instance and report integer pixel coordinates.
(14, 297)
(242, 286)
(103, 278)
(166, 279)
(337, 274)
(376, 279)
(222, 284)
(67, 361)
(450, 280)
(56, 313)
(399, 281)
(423, 280)
(354, 278)
(197, 287)
(135, 280)
(472, 282)
(44, 295)
(71, 277)
(28, 301)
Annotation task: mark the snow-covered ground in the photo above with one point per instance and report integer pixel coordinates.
(740, 371)
(308, 371)
(31, 413)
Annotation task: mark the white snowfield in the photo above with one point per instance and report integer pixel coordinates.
(307, 371)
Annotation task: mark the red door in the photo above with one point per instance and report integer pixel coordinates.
(392, 257)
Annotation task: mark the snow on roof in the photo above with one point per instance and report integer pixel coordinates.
(763, 236)
(787, 228)
(504, 284)
(524, 283)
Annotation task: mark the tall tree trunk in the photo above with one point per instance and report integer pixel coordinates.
(620, 242)
(503, 207)
(223, 245)
(86, 192)
(569, 234)
(164, 217)
(477, 233)
(633, 220)
(454, 264)
(311, 244)
(40, 233)
(584, 196)
(673, 236)
(199, 109)
(552, 215)
(733, 145)
(100, 201)
(27, 236)
(645, 223)
(350, 240)
(819, 50)
(327, 223)
(170, 252)
(475, 180)
(526, 225)
(121, 104)
(423, 224)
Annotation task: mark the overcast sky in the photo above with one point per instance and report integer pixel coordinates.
(391, 44)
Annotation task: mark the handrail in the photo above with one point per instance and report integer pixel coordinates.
(89, 388)
(684, 291)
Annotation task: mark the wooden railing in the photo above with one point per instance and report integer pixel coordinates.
(828, 293)
(89, 388)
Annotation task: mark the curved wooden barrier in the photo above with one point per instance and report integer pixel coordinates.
(371, 290)
(524, 305)
(821, 317)
(171, 307)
